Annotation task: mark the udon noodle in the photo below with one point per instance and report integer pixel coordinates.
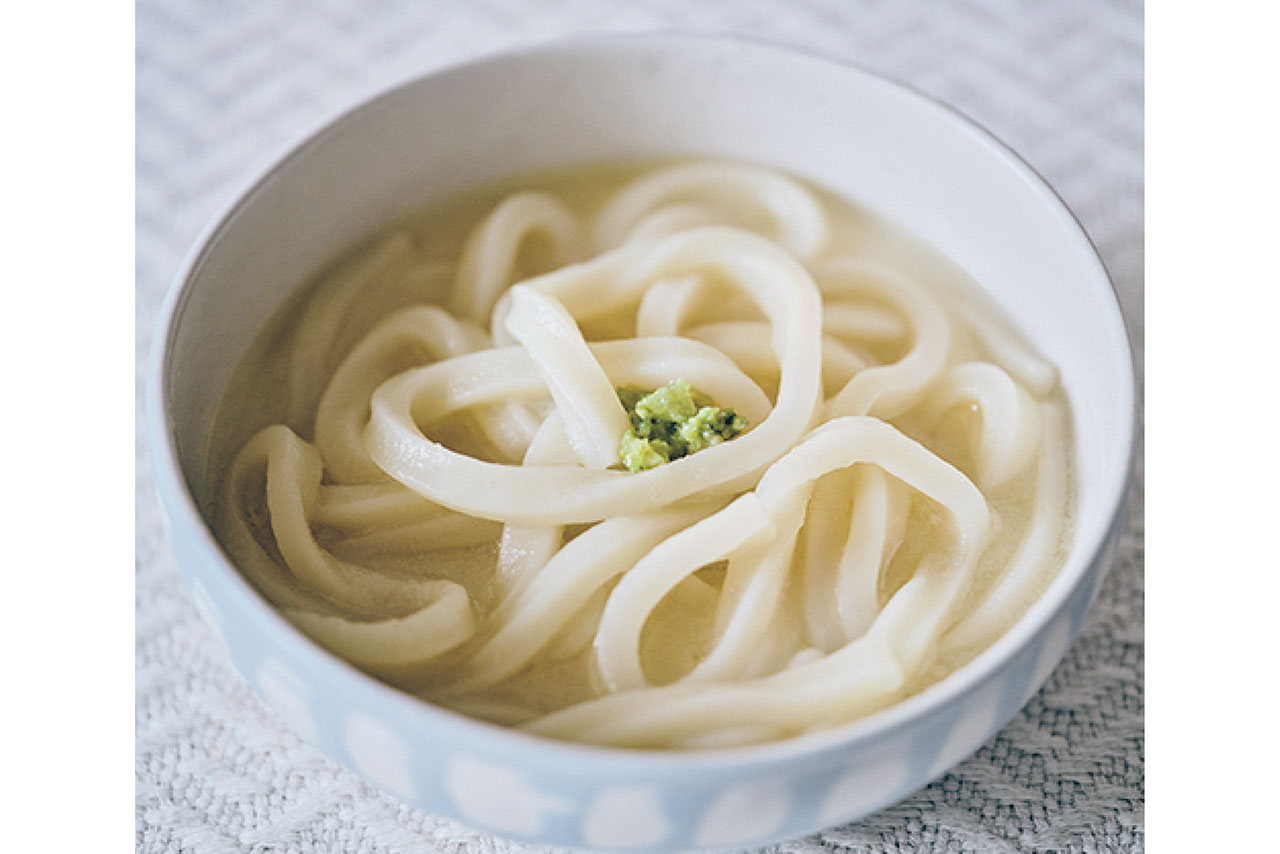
(419, 463)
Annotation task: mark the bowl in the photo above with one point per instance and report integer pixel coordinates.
(911, 159)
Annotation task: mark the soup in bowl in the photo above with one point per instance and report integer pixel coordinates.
(645, 443)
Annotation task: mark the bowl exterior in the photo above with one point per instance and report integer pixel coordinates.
(575, 796)
(496, 781)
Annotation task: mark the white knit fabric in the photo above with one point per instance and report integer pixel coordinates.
(225, 87)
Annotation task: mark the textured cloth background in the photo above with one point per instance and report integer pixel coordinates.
(223, 88)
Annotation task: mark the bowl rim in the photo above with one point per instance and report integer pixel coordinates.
(176, 496)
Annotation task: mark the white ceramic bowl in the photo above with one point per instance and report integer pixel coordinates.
(901, 154)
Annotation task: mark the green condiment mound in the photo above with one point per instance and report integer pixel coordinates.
(671, 422)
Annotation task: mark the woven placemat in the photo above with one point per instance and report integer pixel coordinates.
(223, 88)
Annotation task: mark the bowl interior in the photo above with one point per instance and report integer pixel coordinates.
(909, 159)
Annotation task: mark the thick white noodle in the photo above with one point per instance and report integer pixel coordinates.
(408, 338)
(489, 257)
(864, 674)
(743, 523)
(889, 390)
(1009, 428)
(593, 417)
(862, 321)
(579, 630)
(524, 550)
(442, 624)
(462, 526)
(446, 530)
(385, 517)
(561, 495)
(823, 539)
(324, 314)
(748, 343)
(754, 595)
(775, 517)
(528, 621)
(669, 304)
(1039, 376)
(363, 507)
(729, 189)
(1025, 571)
(668, 220)
(293, 471)
(863, 522)
(486, 270)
